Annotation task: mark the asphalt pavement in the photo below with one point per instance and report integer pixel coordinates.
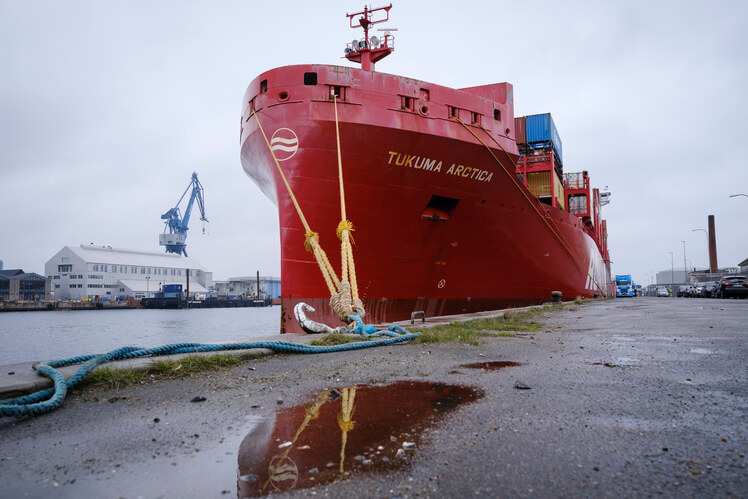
(625, 397)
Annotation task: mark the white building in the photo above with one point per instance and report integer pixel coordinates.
(87, 271)
(270, 287)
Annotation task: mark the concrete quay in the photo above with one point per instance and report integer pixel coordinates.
(626, 397)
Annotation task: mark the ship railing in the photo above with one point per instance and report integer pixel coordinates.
(374, 43)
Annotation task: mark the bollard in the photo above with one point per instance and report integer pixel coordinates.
(555, 296)
(416, 314)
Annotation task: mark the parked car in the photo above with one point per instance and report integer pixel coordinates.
(708, 289)
(683, 290)
(732, 285)
(662, 291)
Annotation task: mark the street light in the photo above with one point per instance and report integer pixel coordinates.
(672, 279)
(685, 268)
(736, 195)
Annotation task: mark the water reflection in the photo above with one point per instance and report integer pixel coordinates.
(357, 429)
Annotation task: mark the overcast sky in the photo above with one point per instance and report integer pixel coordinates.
(109, 106)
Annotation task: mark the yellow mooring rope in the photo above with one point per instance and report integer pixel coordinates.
(347, 301)
(311, 241)
(344, 298)
(533, 202)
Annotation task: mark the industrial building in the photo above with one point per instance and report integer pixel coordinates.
(17, 285)
(270, 287)
(88, 272)
(674, 277)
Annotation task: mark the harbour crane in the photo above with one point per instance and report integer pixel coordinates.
(175, 232)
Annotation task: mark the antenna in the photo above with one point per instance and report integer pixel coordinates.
(369, 50)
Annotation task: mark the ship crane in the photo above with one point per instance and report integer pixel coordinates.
(175, 230)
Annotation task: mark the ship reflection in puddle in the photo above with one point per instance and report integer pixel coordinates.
(353, 430)
(491, 365)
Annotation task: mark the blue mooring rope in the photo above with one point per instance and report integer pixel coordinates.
(50, 399)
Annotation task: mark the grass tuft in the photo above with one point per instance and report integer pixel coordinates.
(116, 378)
(332, 339)
(163, 369)
(471, 331)
(191, 364)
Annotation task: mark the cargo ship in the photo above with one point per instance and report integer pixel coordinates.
(457, 206)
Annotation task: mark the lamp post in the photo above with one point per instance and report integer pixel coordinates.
(147, 281)
(672, 280)
(685, 268)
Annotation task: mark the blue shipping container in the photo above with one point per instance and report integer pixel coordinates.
(541, 129)
(172, 288)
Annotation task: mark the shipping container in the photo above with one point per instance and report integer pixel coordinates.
(172, 288)
(539, 183)
(540, 132)
(578, 204)
(558, 191)
(576, 180)
(519, 130)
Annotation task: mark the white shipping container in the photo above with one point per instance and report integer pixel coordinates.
(578, 204)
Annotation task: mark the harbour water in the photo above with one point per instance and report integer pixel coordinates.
(35, 336)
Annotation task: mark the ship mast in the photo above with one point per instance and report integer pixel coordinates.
(370, 49)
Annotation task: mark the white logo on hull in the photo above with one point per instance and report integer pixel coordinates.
(284, 143)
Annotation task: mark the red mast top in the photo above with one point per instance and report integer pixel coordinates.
(369, 50)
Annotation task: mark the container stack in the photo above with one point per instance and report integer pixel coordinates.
(541, 136)
(578, 193)
(540, 163)
(540, 168)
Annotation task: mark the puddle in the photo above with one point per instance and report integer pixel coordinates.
(491, 365)
(343, 432)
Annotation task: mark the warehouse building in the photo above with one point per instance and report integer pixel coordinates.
(103, 272)
(17, 285)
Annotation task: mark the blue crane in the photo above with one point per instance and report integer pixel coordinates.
(176, 237)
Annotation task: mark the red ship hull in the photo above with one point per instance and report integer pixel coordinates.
(441, 225)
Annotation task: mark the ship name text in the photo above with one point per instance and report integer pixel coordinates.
(434, 166)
